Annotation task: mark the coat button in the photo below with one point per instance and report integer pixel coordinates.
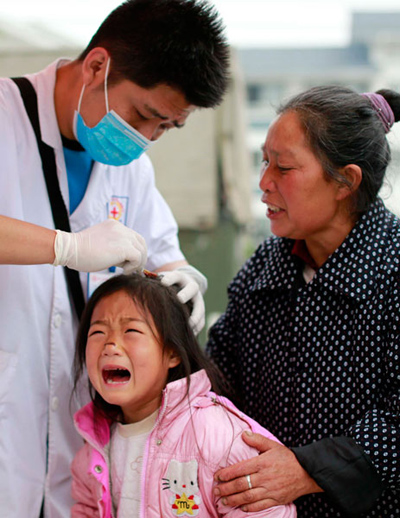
(57, 320)
(98, 469)
(159, 442)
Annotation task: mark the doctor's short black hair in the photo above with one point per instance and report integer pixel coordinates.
(180, 43)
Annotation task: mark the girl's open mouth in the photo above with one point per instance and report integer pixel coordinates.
(115, 375)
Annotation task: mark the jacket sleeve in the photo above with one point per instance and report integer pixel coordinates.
(238, 451)
(83, 487)
(378, 431)
(356, 468)
(344, 471)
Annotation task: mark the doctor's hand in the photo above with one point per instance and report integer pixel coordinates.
(276, 477)
(106, 244)
(193, 285)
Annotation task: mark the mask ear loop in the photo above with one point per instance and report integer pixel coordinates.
(105, 89)
(106, 83)
(80, 99)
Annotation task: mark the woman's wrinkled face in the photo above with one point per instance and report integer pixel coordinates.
(301, 202)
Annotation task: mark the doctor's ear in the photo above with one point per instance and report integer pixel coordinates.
(94, 67)
(353, 175)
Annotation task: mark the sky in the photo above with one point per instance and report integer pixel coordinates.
(249, 23)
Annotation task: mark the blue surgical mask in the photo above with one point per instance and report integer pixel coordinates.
(112, 141)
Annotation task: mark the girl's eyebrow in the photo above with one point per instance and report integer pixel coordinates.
(97, 322)
(124, 320)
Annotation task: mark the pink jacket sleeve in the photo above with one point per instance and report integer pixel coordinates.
(84, 487)
(241, 451)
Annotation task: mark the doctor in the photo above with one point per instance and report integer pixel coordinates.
(148, 67)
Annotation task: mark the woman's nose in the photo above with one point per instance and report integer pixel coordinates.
(266, 182)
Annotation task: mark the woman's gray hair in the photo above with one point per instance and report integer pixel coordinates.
(342, 127)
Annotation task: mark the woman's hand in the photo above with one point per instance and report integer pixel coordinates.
(276, 477)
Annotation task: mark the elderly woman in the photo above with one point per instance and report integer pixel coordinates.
(310, 340)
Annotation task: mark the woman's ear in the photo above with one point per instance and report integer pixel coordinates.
(353, 174)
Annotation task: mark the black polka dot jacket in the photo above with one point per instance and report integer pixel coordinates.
(318, 364)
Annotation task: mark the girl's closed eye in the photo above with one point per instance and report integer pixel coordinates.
(95, 332)
(133, 330)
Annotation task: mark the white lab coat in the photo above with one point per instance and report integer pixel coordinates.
(36, 321)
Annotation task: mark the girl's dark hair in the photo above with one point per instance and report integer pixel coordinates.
(176, 42)
(171, 320)
(343, 128)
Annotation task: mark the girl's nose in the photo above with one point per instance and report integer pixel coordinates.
(111, 349)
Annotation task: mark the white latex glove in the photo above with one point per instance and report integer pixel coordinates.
(106, 244)
(194, 285)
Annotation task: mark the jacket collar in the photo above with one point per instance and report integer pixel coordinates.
(44, 83)
(175, 400)
(352, 269)
(281, 268)
(94, 429)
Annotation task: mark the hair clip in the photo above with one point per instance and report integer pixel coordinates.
(382, 109)
(149, 274)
